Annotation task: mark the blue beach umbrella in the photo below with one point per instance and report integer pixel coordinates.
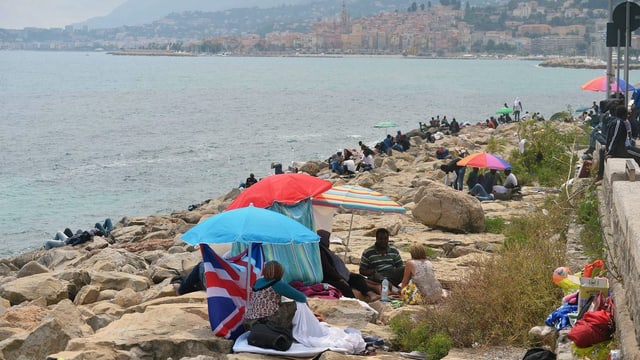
(249, 225)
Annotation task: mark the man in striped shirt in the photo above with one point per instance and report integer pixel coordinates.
(382, 260)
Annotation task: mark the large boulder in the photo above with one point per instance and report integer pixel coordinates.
(116, 280)
(63, 323)
(160, 332)
(442, 207)
(36, 286)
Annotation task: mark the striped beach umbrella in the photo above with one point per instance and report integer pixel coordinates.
(356, 198)
(350, 197)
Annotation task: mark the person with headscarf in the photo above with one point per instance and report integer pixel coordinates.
(337, 274)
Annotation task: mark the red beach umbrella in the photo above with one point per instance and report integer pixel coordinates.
(600, 84)
(484, 160)
(284, 188)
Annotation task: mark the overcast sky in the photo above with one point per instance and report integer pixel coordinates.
(18, 14)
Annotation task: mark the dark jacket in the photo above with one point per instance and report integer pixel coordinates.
(616, 135)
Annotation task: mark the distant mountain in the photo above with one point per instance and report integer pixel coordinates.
(140, 12)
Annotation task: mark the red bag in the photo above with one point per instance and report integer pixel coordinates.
(594, 327)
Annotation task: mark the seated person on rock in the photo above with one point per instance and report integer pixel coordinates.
(484, 191)
(349, 166)
(510, 186)
(265, 304)
(442, 153)
(382, 260)
(419, 271)
(335, 161)
(390, 144)
(366, 162)
(473, 178)
(337, 274)
(250, 181)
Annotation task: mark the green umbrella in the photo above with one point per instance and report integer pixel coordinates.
(504, 110)
(385, 124)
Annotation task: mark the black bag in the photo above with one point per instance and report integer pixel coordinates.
(270, 336)
(539, 353)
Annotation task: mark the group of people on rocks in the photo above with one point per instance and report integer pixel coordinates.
(400, 143)
(484, 187)
(440, 125)
(378, 262)
(344, 162)
(68, 237)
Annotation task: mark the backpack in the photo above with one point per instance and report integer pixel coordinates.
(270, 336)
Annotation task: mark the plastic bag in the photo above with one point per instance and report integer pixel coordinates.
(594, 269)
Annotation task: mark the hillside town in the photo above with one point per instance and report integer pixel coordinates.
(448, 28)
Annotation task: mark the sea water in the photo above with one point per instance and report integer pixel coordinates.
(85, 136)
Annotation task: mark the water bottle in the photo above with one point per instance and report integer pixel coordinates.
(385, 290)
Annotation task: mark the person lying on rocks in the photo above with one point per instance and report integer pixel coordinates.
(336, 273)
(191, 283)
(67, 237)
(382, 260)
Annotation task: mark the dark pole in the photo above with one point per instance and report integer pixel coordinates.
(610, 56)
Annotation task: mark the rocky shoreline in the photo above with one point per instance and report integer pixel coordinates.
(580, 63)
(112, 298)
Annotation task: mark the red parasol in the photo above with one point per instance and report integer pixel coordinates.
(284, 188)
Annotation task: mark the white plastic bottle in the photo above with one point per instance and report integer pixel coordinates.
(385, 290)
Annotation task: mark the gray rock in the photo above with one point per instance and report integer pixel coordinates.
(440, 206)
(32, 268)
(28, 288)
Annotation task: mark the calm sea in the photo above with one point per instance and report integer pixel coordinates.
(85, 136)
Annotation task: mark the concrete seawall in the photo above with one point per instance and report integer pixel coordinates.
(620, 219)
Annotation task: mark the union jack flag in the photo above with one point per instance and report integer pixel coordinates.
(227, 287)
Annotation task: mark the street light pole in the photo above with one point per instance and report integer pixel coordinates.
(610, 55)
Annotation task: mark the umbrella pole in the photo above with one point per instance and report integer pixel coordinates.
(346, 248)
(249, 259)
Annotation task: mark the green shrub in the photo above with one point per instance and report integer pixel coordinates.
(591, 233)
(494, 225)
(439, 346)
(548, 153)
(417, 335)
